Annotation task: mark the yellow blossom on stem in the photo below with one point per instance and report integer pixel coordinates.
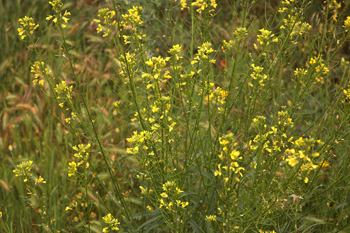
(24, 169)
(72, 169)
(112, 223)
(40, 180)
(347, 24)
(183, 4)
(27, 27)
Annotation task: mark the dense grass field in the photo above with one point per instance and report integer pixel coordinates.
(175, 116)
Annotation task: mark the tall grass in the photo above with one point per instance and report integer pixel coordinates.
(175, 116)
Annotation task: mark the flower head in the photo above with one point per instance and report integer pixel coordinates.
(23, 169)
(27, 27)
(347, 23)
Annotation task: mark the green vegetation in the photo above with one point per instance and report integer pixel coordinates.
(174, 116)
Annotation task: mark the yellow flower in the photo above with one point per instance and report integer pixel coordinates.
(72, 169)
(112, 222)
(65, 19)
(292, 161)
(56, 5)
(234, 154)
(347, 23)
(149, 63)
(40, 180)
(48, 18)
(183, 4)
(210, 218)
(24, 169)
(27, 27)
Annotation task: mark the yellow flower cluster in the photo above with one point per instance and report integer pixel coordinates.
(154, 78)
(112, 223)
(298, 28)
(278, 132)
(170, 197)
(292, 21)
(334, 6)
(64, 92)
(56, 6)
(106, 15)
(81, 155)
(175, 50)
(227, 45)
(139, 140)
(210, 218)
(262, 231)
(299, 72)
(216, 95)
(240, 33)
(285, 4)
(320, 67)
(302, 154)
(300, 151)
(204, 50)
(156, 63)
(347, 24)
(284, 120)
(39, 71)
(183, 4)
(346, 98)
(229, 158)
(257, 74)
(203, 5)
(265, 37)
(27, 27)
(133, 17)
(127, 64)
(23, 169)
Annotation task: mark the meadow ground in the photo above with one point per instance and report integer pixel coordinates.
(174, 116)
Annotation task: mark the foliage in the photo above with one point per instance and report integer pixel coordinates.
(175, 116)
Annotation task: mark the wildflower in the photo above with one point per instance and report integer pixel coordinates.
(64, 91)
(72, 169)
(40, 180)
(241, 33)
(164, 195)
(256, 74)
(203, 5)
(39, 71)
(204, 50)
(227, 45)
(133, 17)
(347, 24)
(183, 4)
(56, 6)
(112, 222)
(23, 169)
(345, 98)
(264, 37)
(292, 161)
(27, 28)
(234, 154)
(210, 218)
(218, 172)
(81, 150)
